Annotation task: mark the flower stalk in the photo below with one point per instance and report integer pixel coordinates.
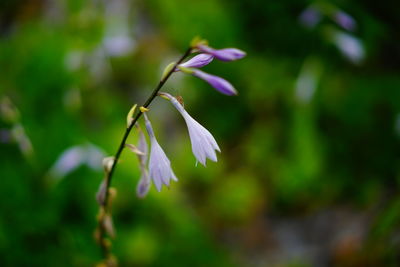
(101, 231)
(154, 164)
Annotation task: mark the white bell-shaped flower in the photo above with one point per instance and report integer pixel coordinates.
(203, 143)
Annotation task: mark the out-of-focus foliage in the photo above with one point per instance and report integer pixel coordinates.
(309, 172)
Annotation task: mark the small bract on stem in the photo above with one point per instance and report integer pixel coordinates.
(154, 165)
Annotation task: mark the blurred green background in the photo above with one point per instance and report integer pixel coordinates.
(309, 171)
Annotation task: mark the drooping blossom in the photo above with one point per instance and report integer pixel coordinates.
(159, 165)
(226, 54)
(218, 83)
(144, 183)
(198, 61)
(203, 143)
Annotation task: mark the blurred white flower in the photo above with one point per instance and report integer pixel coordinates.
(76, 156)
(351, 47)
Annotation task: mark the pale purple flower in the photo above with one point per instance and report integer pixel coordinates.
(218, 83)
(310, 17)
(203, 143)
(144, 183)
(345, 20)
(197, 61)
(226, 54)
(159, 165)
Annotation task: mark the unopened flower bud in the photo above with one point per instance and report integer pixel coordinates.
(226, 54)
(198, 61)
(109, 226)
(218, 83)
(101, 193)
(108, 163)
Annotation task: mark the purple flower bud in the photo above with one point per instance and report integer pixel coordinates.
(159, 165)
(203, 143)
(344, 20)
(198, 61)
(226, 54)
(218, 83)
